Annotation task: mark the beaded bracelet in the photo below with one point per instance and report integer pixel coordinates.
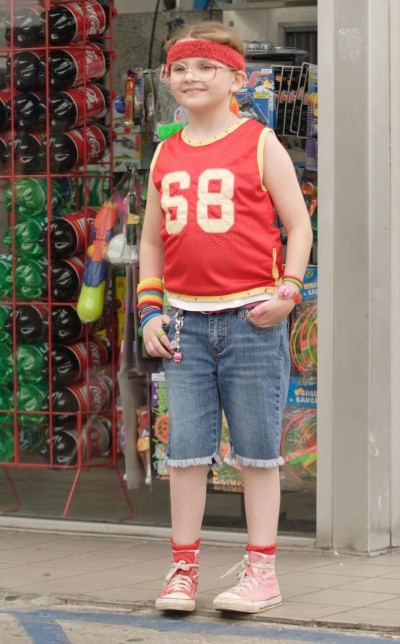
(150, 295)
(294, 280)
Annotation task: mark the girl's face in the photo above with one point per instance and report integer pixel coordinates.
(199, 83)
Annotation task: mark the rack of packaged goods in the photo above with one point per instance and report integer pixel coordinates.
(57, 374)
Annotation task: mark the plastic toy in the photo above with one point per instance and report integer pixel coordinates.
(91, 299)
(299, 447)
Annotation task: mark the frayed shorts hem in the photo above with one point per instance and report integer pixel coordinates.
(258, 462)
(213, 461)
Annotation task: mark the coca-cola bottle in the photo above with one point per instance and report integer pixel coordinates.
(30, 111)
(31, 321)
(71, 363)
(77, 106)
(28, 24)
(81, 397)
(66, 278)
(30, 153)
(5, 109)
(96, 441)
(5, 153)
(28, 70)
(66, 325)
(69, 235)
(73, 21)
(72, 66)
(70, 150)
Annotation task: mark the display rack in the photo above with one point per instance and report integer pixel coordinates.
(57, 388)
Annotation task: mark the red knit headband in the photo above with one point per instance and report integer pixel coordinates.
(199, 48)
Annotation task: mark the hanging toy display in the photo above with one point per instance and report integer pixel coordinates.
(123, 247)
(304, 340)
(310, 193)
(92, 295)
(299, 446)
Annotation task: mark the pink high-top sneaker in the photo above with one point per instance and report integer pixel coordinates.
(258, 587)
(181, 583)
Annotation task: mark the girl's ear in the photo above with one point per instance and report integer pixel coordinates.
(239, 80)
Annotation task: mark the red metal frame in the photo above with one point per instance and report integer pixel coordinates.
(83, 174)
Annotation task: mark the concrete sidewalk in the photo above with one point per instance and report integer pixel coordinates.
(319, 589)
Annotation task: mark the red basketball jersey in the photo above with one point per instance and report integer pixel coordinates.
(219, 226)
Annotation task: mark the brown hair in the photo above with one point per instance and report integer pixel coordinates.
(207, 30)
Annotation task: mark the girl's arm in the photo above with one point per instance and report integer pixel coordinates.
(151, 263)
(280, 179)
(151, 257)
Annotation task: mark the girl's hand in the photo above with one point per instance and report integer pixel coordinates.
(156, 339)
(270, 312)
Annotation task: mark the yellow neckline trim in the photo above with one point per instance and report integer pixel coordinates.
(212, 139)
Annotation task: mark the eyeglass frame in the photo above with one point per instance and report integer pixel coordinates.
(163, 74)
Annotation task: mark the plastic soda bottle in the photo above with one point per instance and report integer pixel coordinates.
(31, 278)
(32, 322)
(6, 444)
(30, 195)
(5, 315)
(6, 278)
(31, 438)
(6, 364)
(30, 237)
(32, 398)
(6, 405)
(32, 362)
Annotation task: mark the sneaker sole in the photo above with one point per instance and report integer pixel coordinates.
(186, 605)
(242, 606)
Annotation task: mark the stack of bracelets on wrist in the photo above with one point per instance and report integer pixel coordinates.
(293, 280)
(150, 295)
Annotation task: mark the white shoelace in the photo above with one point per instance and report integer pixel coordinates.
(180, 582)
(246, 582)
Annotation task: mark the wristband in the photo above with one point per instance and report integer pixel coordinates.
(287, 292)
(294, 280)
(150, 295)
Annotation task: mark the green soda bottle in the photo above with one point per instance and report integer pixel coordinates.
(30, 237)
(30, 195)
(6, 405)
(6, 277)
(6, 444)
(6, 364)
(32, 397)
(5, 316)
(31, 278)
(33, 362)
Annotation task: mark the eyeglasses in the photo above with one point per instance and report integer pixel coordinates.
(200, 70)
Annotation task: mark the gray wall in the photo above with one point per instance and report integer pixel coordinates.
(131, 40)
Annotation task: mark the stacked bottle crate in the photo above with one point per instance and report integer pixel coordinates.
(56, 374)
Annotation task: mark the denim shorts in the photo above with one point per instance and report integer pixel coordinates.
(227, 364)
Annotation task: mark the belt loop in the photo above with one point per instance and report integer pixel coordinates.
(241, 312)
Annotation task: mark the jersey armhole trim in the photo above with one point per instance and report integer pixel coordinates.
(155, 156)
(260, 154)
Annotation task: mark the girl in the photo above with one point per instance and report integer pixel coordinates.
(209, 238)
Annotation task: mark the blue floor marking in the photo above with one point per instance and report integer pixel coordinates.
(42, 626)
